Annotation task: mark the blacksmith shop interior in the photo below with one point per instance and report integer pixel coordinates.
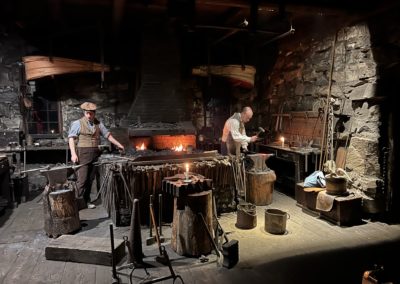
(195, 141)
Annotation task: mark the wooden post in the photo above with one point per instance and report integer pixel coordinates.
(60, 212)
(260, 186)
(188, 234)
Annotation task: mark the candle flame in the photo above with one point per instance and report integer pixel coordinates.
(187, 167)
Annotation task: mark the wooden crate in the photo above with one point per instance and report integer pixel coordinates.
(307, 197)
(345, 211)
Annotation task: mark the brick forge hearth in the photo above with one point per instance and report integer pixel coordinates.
(179, 142)
(162, 136)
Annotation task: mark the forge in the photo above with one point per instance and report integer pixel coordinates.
(178, 137)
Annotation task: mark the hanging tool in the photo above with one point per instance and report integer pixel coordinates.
(341, 154)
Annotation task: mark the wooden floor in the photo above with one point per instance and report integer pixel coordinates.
(312, 250)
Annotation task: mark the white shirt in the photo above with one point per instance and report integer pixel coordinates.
(232, 131)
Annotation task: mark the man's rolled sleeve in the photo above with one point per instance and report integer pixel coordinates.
(75, 129)
(103, 130)
(236, 135)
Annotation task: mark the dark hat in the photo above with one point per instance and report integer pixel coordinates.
(88, 106)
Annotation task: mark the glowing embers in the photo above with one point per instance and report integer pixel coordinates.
(179, 148)
(141, 147)
(140, 143)
(177, 143)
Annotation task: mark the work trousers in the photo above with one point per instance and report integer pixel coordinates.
(86, 173)
(232, 148)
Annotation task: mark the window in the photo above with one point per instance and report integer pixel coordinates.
(43, 118)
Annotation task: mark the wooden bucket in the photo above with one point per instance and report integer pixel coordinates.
(336, 185)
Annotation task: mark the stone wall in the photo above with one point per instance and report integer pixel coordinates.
(12, 49)
(113, 102)
(301, 78)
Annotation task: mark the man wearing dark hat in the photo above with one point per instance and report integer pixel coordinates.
(87, 131)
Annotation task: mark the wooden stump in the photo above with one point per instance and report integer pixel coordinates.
(259, 187)
(189, 236)
(61, 215)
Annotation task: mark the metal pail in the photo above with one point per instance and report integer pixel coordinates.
(275, 221)
(246, 216)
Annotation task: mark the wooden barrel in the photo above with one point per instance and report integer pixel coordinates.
(61, 212)
(259, 187)
(189, 237)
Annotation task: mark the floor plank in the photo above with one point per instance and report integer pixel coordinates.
(309, 244)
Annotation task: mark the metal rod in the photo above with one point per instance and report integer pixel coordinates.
(24, 155)
(203, 221)
(160, 212)
(151, 220)
(289, 32)
(114, 268)
(324, 129)
(233, 29)
(155, 227)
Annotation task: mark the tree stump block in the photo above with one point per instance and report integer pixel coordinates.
(61, 215)
(189, 236)
(259, 187)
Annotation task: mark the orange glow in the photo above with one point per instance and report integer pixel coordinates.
(178, 148)
(141, 147)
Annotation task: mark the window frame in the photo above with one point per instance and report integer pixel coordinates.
(30, 122)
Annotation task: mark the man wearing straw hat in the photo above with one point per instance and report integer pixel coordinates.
(87, 131)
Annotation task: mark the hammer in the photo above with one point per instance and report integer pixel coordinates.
(260, 130)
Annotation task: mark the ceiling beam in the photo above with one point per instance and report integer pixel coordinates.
(118, 14)
(234, 29)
